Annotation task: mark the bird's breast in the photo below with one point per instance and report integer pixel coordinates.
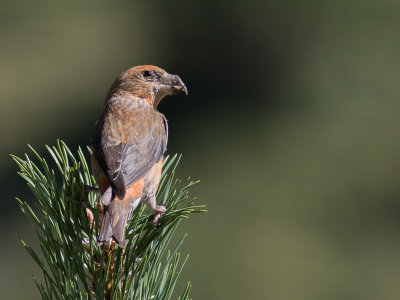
(128, 121)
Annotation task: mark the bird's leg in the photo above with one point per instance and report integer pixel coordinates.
(159, 209)
(88, 189)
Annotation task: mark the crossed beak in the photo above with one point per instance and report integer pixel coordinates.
(172, 84)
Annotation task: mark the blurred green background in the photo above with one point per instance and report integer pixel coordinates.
(291, 124)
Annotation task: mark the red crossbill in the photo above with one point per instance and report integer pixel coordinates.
(128, 144)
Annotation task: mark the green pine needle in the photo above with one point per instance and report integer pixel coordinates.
(74, 266)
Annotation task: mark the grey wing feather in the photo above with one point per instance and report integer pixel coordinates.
(126, 164)
(110, 160)
(141, 157)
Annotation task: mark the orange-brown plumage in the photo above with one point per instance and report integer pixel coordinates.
(128, 143)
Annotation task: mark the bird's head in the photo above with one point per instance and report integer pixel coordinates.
(150, 83)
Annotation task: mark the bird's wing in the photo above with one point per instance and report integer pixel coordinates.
(127, 162)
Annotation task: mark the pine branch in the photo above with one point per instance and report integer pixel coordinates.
(66, 221)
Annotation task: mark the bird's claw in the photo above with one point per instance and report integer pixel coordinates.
(159, 211)
(87, 189)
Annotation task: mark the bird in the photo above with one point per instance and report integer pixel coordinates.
(128, 145)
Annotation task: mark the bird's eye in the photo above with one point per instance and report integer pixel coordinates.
(146, 73)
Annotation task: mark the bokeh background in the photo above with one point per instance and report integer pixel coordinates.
(291, 124)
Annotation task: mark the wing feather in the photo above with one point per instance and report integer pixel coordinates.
(145, 133)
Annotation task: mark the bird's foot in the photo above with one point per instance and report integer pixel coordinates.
(159, 211)
(90, 216)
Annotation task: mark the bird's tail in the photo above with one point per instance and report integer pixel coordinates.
(114, 220)
(113, 227)
(106, 229)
